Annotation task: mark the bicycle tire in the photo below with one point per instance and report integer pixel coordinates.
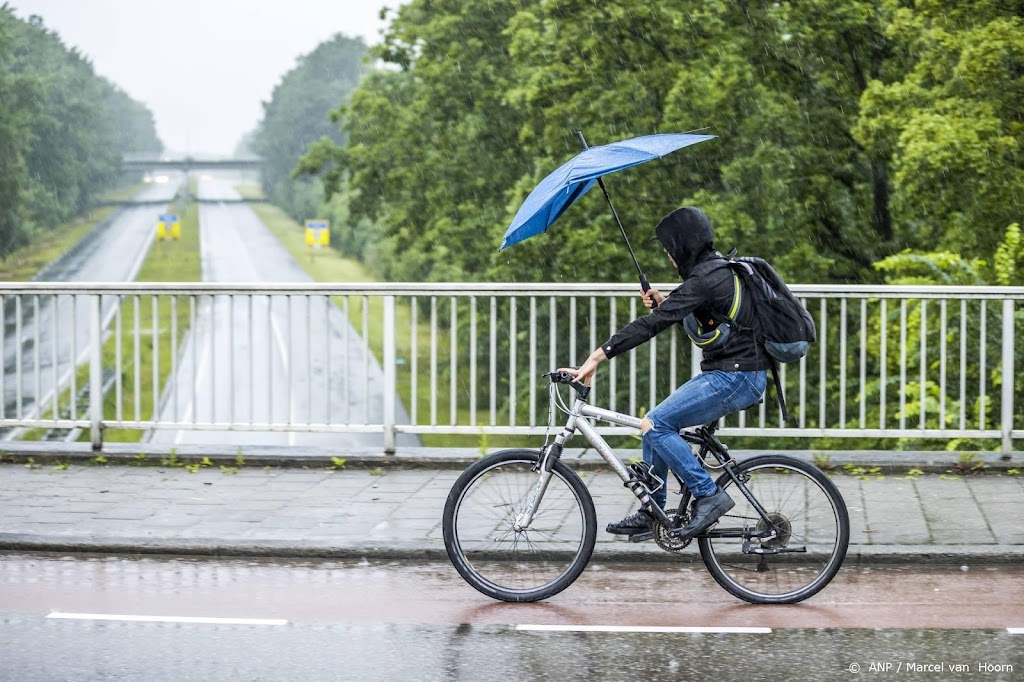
(809, 511)
(491, 555)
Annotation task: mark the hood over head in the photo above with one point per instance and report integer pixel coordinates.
(687, 236)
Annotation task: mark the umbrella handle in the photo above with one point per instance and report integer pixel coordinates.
(645, 286)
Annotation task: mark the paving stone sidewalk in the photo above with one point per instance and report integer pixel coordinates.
(396, 512)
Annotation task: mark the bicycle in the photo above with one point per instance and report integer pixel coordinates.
(520, 525)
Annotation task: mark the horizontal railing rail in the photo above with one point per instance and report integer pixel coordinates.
(387, 359)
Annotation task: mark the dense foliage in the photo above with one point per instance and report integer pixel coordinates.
(848, 132)
(864, 141)
(297, 114)
(63, 130)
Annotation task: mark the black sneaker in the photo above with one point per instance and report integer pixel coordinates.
(640, 522)
(704, 512)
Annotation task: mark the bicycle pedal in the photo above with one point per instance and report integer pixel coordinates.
(640, 537)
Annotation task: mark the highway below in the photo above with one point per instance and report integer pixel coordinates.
(287, 361)
(113, 252)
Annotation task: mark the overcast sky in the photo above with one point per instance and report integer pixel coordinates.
(203, 67)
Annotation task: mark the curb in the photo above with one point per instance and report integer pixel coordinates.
(142, 454)
(858, 555)
(250, 461)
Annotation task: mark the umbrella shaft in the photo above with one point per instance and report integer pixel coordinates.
(618, 222)
(600, 181)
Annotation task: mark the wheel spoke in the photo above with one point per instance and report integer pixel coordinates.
(805, 509)
(525, 564)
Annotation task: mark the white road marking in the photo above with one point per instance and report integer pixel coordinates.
(169, 619)
(643, 628)
(1015, 631)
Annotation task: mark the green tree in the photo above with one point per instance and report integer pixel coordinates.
(135, 130)
(297, 114)
(953, 126)
(779, 83)
(432, 146)
(847, 132)
(63, 130)
(14, 122)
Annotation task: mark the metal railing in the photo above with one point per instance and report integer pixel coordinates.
(394, 359)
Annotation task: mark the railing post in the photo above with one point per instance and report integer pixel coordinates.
(95, 372)
(1006, 424)
(390, 387)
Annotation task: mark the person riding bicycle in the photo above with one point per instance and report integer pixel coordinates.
(733, 373)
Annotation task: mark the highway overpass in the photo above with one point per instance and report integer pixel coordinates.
(189, 163)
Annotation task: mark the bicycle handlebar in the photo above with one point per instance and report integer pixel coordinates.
(558, 377)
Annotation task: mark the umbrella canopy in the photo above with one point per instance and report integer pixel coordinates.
(574, 178)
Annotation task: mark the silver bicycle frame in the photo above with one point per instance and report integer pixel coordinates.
(581, 411)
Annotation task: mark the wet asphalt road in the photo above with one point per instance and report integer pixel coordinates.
(111, 253)
(286, 360)
(402, 621)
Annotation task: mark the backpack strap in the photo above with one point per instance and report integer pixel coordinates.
(735, 265)
(707, 267)
(748, 268)
(778, 390)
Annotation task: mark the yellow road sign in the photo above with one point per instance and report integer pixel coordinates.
(168, 227)
(318, 233)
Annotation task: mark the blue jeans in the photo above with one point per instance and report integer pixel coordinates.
(705, 398)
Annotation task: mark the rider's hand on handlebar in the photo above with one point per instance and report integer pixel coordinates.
(652, 297)
(586, 371)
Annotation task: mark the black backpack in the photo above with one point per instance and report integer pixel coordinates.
(780, 321)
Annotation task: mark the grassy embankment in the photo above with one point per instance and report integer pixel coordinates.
(22, 264)
(329, 265)
(167, 261)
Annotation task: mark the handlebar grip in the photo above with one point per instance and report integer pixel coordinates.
(566, 378)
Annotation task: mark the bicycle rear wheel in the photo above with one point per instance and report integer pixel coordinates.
(518, 565)
(812, 532)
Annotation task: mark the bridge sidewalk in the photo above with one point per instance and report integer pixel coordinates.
(379, 506)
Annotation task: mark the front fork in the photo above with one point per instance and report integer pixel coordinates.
(525, 518)
(548, 456)
(639, 488)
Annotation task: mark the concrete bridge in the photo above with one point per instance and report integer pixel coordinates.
(189, 163)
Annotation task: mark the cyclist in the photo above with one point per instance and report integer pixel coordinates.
(733, 371)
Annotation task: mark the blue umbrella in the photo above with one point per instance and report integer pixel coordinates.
(574, 178)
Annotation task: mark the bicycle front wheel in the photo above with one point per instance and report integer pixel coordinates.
(488, 548)
(810, 532)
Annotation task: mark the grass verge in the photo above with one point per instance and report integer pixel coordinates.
(22, 264)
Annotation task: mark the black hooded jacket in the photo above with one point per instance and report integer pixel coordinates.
(707, 290)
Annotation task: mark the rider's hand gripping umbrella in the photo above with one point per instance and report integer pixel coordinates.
(574, 178)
